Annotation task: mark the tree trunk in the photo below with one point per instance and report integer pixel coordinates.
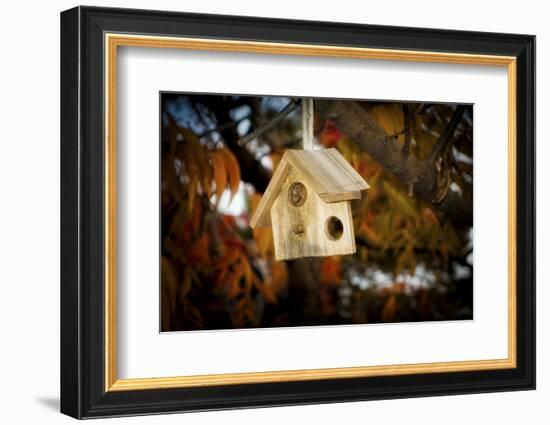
(303, 291)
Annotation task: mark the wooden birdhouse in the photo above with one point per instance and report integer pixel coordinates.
(307, 203)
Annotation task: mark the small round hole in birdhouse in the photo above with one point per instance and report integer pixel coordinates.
(297, 194)
(334, 228)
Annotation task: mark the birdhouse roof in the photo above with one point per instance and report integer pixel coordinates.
(324, 171)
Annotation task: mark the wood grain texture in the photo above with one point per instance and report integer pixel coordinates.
(328, 173)
(301, 231)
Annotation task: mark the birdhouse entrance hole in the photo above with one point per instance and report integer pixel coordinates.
(334, 228)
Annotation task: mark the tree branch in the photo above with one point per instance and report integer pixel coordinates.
(272, 123)
(447, 135)
(252, 171)
(352, 120)
(220, 128)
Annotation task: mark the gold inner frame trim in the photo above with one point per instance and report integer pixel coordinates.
(113, 41)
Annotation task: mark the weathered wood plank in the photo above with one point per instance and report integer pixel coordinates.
(262, 217)
(301, 231)
(328, 174)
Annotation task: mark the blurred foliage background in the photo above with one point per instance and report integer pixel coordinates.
(218, 153)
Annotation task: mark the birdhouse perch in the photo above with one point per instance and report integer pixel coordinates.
(307, 203)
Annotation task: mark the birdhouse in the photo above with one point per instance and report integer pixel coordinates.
(307, 203)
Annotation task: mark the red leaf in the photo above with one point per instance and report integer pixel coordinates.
(330, 135)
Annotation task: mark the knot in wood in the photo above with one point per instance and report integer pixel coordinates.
(297, 194)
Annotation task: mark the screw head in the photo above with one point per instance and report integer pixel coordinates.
(298, 229)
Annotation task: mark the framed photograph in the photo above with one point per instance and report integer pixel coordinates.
(260, 212)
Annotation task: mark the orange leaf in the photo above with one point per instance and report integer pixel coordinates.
(330, 135)
(429, 217)
(196, 217)
(331, 273)
(195, 159)
(372, 235)
(255, 199)
(268, 294)
(233, 170)
(186, 284)
(241, 304)
(199, 252)
(234, 280)
(228, 258)
(264, 240)
(220, 174)
(389, 116)
(222, 275)
(390, 307)
(247, 271)
(279, 274)
(206, 184)
(249, 312)
(192, 191)
(265, 290)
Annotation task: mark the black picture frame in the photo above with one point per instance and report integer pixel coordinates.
(83, 392)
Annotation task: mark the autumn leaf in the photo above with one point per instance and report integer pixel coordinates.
(429, 218)
(255, 199)
(247, 271)
(196, 218)
(389, 116)
(192, 191)
(195, 160)
(241, 304)
(199, 251)
(350, 151)
(188, 135)
(206, 182)
(406, 260)
(390, 307)
(233, 170)
(251, 315)
(229, 258)
(219, 171)
(330, 134)
(371, 234)
(268, 294)
(186, 284)
(263, 236)
(331, 273)
(233, 281)
(279, 275)
(266, 290)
